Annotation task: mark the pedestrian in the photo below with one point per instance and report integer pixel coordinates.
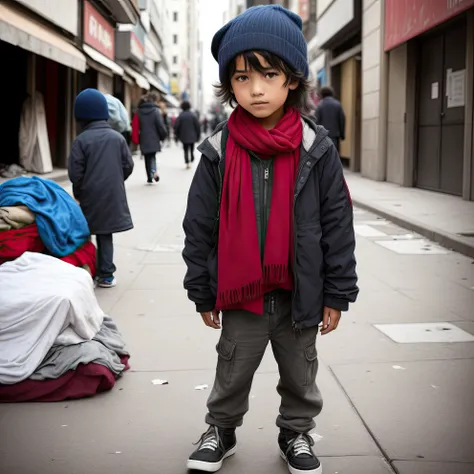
(152, 133)
(269, 235)
(187, 131)
(99, 163)
(330, 114)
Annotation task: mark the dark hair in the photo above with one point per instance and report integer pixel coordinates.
(185, 105)
(299, 98)
(326, 91)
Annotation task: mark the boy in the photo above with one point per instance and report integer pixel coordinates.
(269, 235)
(99, 164)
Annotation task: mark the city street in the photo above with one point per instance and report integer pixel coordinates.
(404, 407)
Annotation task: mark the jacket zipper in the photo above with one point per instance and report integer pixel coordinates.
(266, 175)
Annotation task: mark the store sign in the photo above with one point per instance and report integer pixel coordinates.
(98, 32)
(137, 48)
(405, 19)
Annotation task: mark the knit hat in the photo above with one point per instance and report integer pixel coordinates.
(269, 28)
(91, 105)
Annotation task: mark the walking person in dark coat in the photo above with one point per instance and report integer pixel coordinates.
(330, 114)
(152, 133)
(188, 131)
(99, 163)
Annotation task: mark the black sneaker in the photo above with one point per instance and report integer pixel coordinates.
(215, 445)
(296, 450)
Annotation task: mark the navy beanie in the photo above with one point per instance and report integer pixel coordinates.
(91, 105)
(269, 28)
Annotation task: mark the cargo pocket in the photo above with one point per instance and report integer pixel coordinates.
(311, 364)
(225, 363)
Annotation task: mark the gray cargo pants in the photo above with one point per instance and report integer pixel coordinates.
(241, 347)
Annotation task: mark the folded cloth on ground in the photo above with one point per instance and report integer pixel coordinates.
(61, 223)
(14, 243)
(105, 349)
(85, 381)
(43, 301)
(85, 255)
(15, 217)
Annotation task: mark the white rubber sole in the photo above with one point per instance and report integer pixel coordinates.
(292, 470)
(207, 466)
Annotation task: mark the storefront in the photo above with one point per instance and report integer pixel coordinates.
(99, 46)
(339, 33)
(39, 89)
(430, 84)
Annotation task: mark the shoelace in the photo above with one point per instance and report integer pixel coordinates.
(209, 440)
(301, 445)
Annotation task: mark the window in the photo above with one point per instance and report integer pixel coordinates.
(175, 59)
(175, 16)
(175, 39)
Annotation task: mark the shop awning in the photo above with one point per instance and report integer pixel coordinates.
(19, 29)
(139, 79)
(103, 60)
(171, 100)
(155, 83)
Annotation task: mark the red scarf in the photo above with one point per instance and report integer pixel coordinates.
(242, 281)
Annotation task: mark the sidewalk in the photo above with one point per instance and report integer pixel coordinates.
(447, 220)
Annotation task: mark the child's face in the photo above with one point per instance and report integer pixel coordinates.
(261, 94)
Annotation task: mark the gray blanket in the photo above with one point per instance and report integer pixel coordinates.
(105, 349)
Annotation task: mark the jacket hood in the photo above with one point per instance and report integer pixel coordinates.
(312, 135)
(147, 108)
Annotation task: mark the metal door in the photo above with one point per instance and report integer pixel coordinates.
(440, 121)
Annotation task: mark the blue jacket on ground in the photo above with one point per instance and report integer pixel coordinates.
(61, 223)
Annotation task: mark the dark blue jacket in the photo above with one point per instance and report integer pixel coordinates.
(99, 163)
(324, 261)
(187, 128)
(152, 128)
(330, 115)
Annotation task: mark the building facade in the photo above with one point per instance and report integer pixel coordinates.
(427, 63)
(58, 47)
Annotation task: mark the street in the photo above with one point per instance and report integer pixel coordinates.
(388, 406)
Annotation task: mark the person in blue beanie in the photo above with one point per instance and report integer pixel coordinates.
(269, 236)
(99, 163)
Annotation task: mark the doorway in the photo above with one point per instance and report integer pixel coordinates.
(441, 110)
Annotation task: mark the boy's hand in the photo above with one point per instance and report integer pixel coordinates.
(331, 319)
(211, 319)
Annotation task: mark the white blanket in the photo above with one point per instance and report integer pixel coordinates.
(43, 301)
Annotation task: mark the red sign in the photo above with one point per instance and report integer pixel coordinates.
(137, 49)
(405, 19)
(98, 32)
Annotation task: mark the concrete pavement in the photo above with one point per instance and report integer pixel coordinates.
(389, 407)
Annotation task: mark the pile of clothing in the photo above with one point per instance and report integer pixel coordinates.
(55, 341)
(37, 215)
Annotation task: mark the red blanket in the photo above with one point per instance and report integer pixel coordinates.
(86, 381)
(85, 255)
(14, 243)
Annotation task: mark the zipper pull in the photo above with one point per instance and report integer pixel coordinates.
(267, 174)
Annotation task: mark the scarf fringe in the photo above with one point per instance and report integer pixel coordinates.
(273, 275)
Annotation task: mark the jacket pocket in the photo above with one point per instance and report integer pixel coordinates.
(311, 364)
(225, 363)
